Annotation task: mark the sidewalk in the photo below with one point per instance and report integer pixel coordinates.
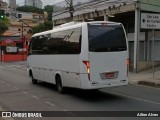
(146, 78)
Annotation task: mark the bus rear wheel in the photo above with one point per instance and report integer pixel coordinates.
(59, 86)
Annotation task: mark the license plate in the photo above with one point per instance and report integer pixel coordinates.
(109, 75)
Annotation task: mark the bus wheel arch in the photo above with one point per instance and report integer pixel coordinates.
(59, 85)
(30, 73)
(34, 81)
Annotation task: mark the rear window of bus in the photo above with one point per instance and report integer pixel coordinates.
(106, 38)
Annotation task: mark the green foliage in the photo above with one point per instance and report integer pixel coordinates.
(49, 10)
(3, 26)
(30, 9)
(6, 21)
(42, 27)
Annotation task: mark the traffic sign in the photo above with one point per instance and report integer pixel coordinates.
(150, 21)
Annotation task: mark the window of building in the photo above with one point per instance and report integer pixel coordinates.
(19, 15)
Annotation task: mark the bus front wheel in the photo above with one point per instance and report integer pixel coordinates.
(34, 81)
(59, 86)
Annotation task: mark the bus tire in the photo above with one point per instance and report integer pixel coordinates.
(59, 86)
(34, 81)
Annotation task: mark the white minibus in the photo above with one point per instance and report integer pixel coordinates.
(86, 55)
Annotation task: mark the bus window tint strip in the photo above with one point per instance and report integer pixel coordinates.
(63, 42)
(106, 38)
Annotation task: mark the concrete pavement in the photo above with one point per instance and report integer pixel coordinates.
(146, 77)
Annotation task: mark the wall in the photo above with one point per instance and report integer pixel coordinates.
(11, 58)
(143, 65)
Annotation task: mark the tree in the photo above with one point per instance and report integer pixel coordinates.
(30, 9)
(42, 27)
(4, 25)
(49, 10)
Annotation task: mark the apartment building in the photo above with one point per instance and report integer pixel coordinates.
(36, 3)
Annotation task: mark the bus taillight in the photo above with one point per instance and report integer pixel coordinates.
(87, 67)
(127, 62)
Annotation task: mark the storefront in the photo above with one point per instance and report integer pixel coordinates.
(13, 48)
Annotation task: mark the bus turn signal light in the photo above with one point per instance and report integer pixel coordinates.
(88, 68)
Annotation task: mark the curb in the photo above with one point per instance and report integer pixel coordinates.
(152, 84)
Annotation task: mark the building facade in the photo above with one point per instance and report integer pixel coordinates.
(36, 3)
(3, 5)
(12, 4)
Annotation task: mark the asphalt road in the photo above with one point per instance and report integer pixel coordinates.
(17, 93)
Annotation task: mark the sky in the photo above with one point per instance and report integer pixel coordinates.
(45, 2)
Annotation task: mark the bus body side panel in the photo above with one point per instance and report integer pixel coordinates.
(65, 65)
(70, 70)
(35, 66)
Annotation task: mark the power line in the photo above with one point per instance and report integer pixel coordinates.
(91, 5)
(76, 9)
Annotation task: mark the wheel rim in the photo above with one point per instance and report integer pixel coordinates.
(59, 85)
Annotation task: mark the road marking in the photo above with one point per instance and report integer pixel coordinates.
(17, 66)
(25, 92)
(24, 68)
(65, 110)
(11, 65)
(8, 84)
(2, 81)
(2, 67)
(133, 97)
(148, 87)
(35, 97)
(49, 103)
(16, 88)
(13, 68)
(18, 69)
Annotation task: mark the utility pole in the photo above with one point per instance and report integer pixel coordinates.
(71, 8)
(22, 42)
(1, 49)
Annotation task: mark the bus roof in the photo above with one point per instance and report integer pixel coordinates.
(70, 24)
